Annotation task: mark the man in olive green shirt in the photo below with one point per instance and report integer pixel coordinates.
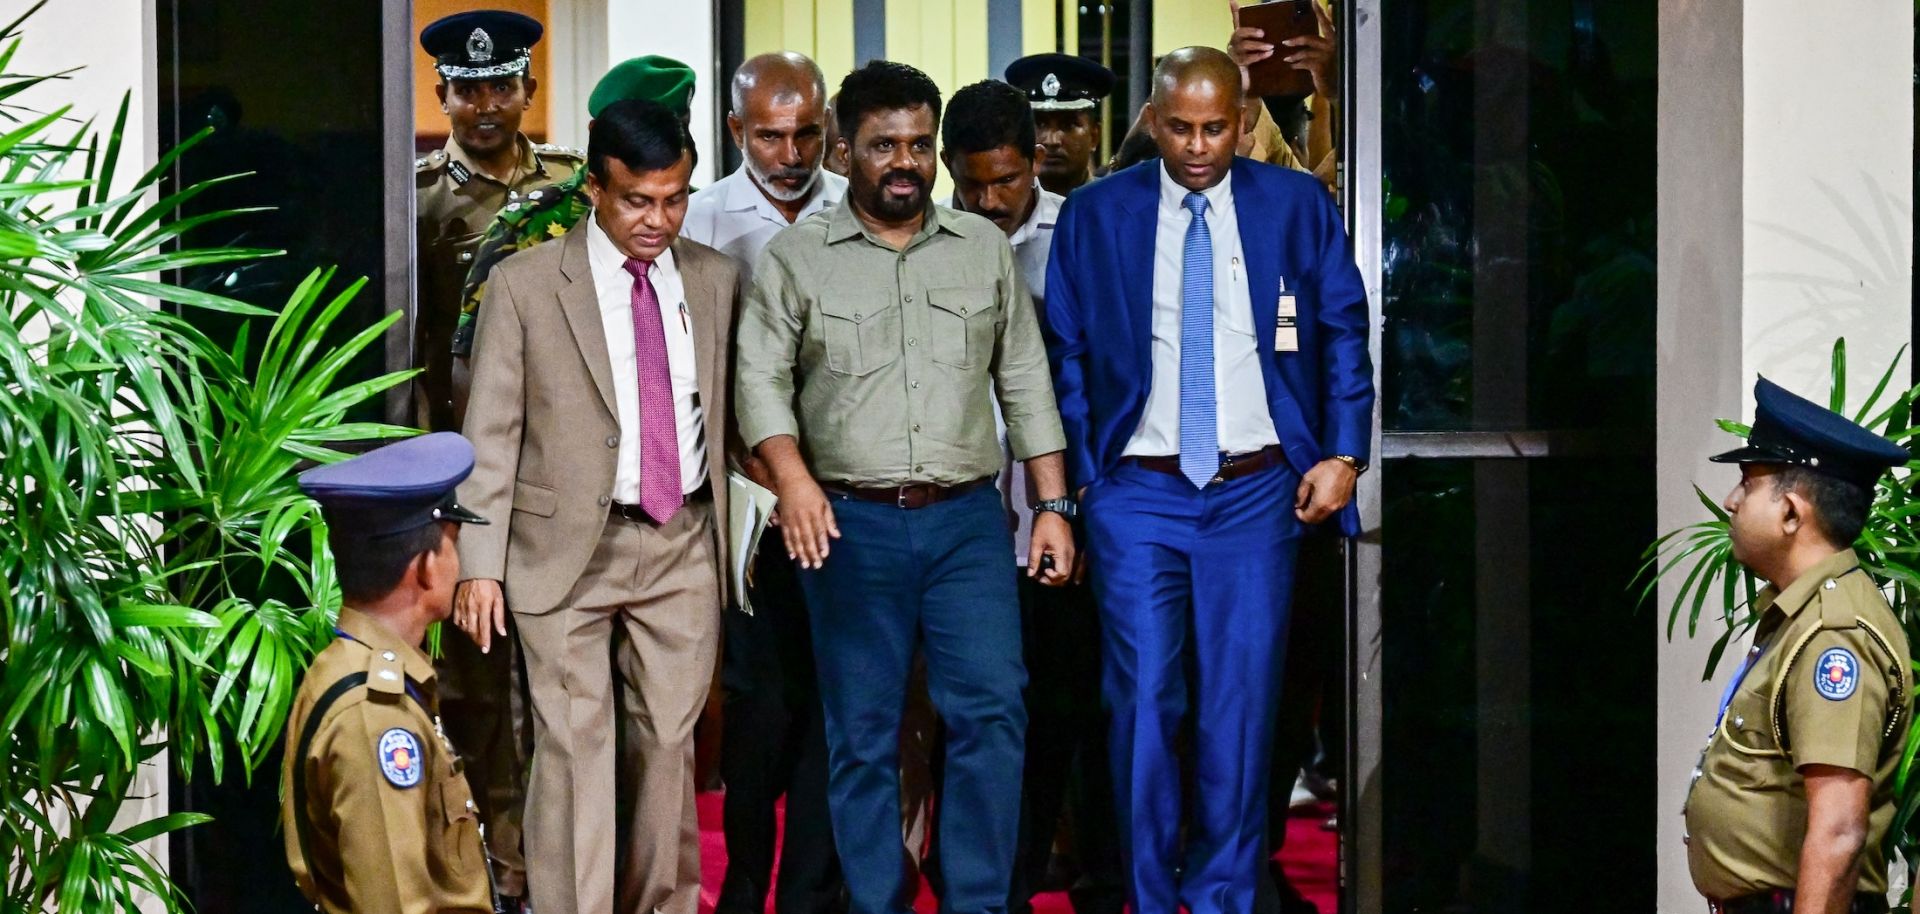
(1794, 793)
(872, 347)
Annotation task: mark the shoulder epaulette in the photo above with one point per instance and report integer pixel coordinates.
(386, 676)
(555, 149)
(430, 161)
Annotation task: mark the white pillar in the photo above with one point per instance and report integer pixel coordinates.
(1785, 221)
(592, 35)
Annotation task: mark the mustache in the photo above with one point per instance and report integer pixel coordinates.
(901, 174)
(796, 174)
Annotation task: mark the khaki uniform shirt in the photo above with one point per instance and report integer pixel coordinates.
(456, 203)
(1825, 684)
(893, 357)
(376, 813)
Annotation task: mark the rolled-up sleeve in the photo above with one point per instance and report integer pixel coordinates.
(768, 344)
(1020, 370)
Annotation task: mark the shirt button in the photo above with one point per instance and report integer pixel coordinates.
(917, 468)
(604, 500)
(613, 441)
(916, 426)
(387, 656)
(1829, 585)
(1739, 721)
(856, 315)
(909, 298)
(912, 342)
(916, 385)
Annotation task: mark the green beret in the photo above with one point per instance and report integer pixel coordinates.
(654, 78)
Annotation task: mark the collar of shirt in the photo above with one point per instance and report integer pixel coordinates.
(529, 165)
(1046, 210)
(376, 635)
(845, 224)
(742, 195)
(609, 264)
(1173, 196)
(1801, 591)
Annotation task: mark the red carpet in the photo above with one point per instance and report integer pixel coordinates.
(1309, 858)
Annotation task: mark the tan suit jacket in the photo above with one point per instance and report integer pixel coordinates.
(543, 420)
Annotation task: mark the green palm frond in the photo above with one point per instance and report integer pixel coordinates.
(165, 582)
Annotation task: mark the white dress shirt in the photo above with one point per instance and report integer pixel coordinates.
(1032, 242)
(613, 286)
(733, 216)
(1239, 390)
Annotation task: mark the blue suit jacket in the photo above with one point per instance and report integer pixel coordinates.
(1099, 316)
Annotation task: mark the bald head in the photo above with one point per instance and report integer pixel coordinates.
(782, 75)
(1194, 115)
(1197, 68)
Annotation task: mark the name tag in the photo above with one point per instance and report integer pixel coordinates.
(1286, 328)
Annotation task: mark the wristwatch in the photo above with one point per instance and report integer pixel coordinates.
(1359, 466)
(1065, 507)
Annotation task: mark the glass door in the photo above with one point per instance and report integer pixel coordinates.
(1501, 670)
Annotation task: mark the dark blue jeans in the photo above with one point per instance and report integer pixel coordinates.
(936, 577)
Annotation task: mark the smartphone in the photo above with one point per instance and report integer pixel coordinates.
(1280, 20)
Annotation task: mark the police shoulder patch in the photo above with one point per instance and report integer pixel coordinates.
(1837, 676)
(400, 761)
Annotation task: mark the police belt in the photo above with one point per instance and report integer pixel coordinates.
(1780, 901)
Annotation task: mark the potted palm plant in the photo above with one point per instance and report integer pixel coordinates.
(146, 502)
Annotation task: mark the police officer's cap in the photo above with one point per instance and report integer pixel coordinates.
(481, 44)
(396, 488)
(1061, 82)
(651, 78)
(1790, 429)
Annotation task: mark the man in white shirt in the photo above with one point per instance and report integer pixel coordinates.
(774, 739)
(598, 418)
(988, 144)
(779, 124)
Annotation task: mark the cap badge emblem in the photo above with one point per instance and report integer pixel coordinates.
(1050, 87)
(479, 46)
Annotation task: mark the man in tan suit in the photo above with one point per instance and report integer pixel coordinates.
(599, 416)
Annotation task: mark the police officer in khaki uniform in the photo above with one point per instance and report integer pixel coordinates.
(482, 59)
(376, 812)
(1794, 793)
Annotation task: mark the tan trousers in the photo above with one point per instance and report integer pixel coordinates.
(661, 585)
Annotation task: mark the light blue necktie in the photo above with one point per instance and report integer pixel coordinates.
(1199, 423)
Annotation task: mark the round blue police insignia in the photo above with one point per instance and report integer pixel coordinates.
(1837, 675)
(400, 759)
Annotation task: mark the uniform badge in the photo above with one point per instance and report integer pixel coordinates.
(479, 46)
(1050, 87)
(1837, 675)
(400, 758)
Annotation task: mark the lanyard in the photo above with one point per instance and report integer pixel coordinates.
(1739, 675)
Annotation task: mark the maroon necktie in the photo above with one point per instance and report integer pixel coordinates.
(660, 494)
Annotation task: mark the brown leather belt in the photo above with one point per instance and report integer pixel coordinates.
(1780, 901)
(637, 514)
(910, 496)
(1232, 466)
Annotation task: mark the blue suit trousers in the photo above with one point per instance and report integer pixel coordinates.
(935, 577)
(1192, 580)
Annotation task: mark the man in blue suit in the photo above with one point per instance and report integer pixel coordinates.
(1208, 334)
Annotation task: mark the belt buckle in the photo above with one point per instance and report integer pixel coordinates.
(900, 498)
